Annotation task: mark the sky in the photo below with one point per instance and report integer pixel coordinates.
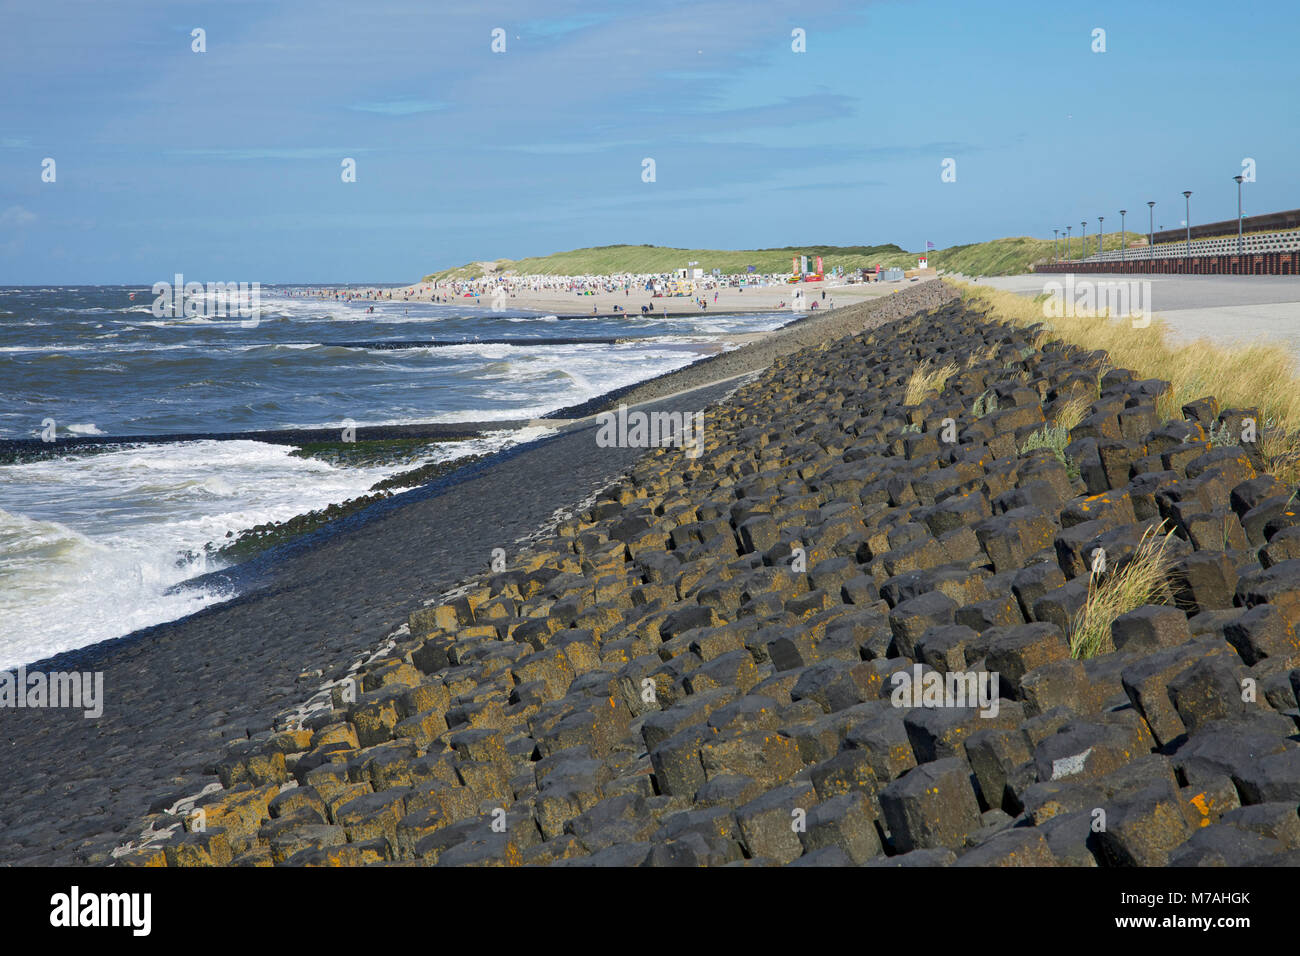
(228, 164)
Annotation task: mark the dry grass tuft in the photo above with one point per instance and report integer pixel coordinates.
(925, 379)
(1282, 455)
(986, 354)
(1143, 580)
(1072, 412)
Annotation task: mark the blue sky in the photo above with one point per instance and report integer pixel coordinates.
(225, 165)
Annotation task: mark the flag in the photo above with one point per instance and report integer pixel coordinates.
(929, 244)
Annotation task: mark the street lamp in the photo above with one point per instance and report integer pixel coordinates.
(1101, 235)
(1083, 239)
(1151, 244)
(1237, 179)
(1122, 243)
(1056, 245)
(1187, 197)
(1067, 241)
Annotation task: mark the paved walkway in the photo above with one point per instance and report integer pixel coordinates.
(1224, 309)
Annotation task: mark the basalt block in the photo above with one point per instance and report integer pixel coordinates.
(932, 806)
(1223, 846)
(995, 755)
(1209, 690)
(1022, 846)
(1270, 779)
(1143, 829)
(1013, 652)
(910, 619)
(884, 740)
(1148, 629)
(1263, 632)
(1010, 538)
(845, 821)
(769, 826)
(1204, 580)
(1146, 682)
(1277, 821)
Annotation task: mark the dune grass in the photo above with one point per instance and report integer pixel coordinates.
(1261, 376)
(1071, 412)
(1143, 580)
(927, 378)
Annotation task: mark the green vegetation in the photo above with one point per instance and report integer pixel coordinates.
(1055, 437)
(998, 257)
(604, 260)
(986, 404)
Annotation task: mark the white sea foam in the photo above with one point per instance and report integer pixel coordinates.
(89, 545)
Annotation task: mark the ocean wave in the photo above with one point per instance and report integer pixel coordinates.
(89, 546)
(61, 589)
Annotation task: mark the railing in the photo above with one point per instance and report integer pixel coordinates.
(1284, 263)
(1222, 246)
(1266, 222)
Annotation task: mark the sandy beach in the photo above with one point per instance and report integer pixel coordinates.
(829, 294)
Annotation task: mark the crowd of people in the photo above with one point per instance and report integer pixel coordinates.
(499, 288)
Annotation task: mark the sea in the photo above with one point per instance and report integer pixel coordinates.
(93, 545)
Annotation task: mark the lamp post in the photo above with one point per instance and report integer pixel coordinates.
(1067, 241)
(1083, 239)
(1151, 209)
(1187, 197)
(1122, 243)
(1101, 235)
(1056, 245)
(1237, 179)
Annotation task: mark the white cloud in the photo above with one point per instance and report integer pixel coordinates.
(17, 216)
